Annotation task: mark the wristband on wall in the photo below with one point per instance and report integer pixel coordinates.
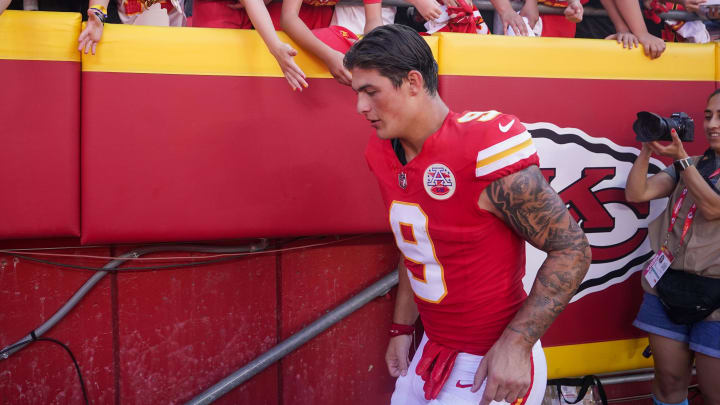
(99, 11)
(397, 329)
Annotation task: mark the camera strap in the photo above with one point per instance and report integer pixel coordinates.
(688, 220)
(659, 263)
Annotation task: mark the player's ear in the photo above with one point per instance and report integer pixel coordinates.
(415, 82)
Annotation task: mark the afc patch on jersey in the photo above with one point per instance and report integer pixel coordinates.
(439, 181)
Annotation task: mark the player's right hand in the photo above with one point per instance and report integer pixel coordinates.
(397, 355)
(429, 9)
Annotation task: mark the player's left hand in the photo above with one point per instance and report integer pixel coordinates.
(512, 19)
(506, 370)
(574, 11)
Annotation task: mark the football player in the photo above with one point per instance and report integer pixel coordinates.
(464, 193)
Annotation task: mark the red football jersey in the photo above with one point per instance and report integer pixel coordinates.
(465, 265)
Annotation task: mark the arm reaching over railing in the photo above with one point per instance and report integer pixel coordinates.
(92, 33)
(283, 53)
(3, 5)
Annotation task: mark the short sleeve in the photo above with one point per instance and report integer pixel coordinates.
(513, 150)
(672, 172)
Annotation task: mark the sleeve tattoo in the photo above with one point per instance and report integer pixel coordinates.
(528, 204)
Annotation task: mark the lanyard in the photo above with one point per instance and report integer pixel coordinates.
(690, 216)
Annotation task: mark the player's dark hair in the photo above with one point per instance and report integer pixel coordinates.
(394, 50)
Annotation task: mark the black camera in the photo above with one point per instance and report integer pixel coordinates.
(651, 127)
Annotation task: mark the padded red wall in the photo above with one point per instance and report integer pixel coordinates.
(212, 157)
(39, 149)
(166, 336)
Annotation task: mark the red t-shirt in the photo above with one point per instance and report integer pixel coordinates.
(465, 264)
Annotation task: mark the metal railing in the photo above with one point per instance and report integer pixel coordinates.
(282, 349)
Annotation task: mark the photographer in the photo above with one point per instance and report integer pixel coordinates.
(680, 305)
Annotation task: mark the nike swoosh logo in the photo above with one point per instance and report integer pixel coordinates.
(505, 128)
(457, 384)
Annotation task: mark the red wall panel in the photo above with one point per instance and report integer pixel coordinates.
(39, 156)
(43, 373)
(204, 157)
(345, 364)
(181, 331)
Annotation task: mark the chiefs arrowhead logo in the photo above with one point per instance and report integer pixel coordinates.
(589, 174)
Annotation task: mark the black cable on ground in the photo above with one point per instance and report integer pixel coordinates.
(77, 366)
(64, 346)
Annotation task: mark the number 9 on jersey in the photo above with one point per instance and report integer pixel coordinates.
(410, 226)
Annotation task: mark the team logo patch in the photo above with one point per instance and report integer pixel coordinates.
(402, 180)
(439, 181)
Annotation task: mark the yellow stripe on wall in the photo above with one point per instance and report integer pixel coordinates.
(596, 358)
(497, 55)
(195, 51)
(39, 35)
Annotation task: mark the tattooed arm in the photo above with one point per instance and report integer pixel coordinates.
(526, 203)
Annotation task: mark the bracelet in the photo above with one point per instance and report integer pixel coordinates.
(397, 329)
(99, 11)
(682, 164)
